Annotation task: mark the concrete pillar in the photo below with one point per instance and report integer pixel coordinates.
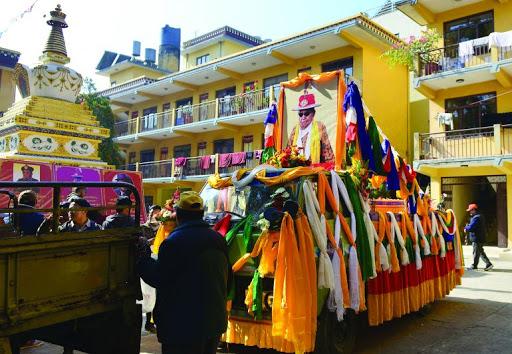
(435, 188)
(497, 139)
(417, 151)
(509, 209)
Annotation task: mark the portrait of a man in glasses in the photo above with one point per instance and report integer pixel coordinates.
(310, 134)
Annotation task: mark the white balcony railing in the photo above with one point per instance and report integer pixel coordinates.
(244, 103)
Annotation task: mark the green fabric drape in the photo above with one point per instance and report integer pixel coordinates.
(373, 132)
(257, 295)
(363, 246)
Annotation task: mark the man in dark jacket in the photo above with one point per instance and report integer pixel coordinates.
(476, 230)
(191, 278)
(28, 222)
(122, 216)
(78, 220)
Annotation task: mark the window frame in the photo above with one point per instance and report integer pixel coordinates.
(447, 101)
(447, 23)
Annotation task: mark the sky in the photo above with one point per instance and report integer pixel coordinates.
(96, 26)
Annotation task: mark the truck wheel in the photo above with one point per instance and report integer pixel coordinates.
(335, 337)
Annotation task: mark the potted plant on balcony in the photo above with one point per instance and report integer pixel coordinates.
(413, 49)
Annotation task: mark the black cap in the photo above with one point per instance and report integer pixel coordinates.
(124, 201)
(155, 206)
(80, 202)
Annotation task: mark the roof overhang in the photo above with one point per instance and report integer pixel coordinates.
(8, 58)
(353, 31)
(127, 64)
(212, 41)
(424, 12)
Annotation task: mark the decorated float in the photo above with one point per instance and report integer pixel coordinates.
(332, 224)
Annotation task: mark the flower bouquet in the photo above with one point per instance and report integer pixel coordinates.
(289, 157)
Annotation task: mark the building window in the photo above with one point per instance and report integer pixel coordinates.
(226, 102)
(203, 59)
(203, 108)
(113, 83)
(164, 153)
(250, 86)
(247, 143)
(184, 111)
(272, 81)
(472, 111)
(201, 148)
(149, 120)
(223, 146)
(304, 70)
(346, 64)
(182, 150)
(467, 28)
(132, 156)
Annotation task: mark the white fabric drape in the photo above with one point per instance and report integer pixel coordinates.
(396, 234)
(318, 226)
(339, 188)
(370, 230)
(437, 232)
(421, 233)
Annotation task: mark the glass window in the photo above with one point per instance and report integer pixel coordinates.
(472, 111)
(226, 103)
(184, 111)
(149, 120)
(201, 148)
(247, 143)
(223, 146)
(345, 64)
(203, 59)
(182, 150)
(274, 80)
(470, 27)
(164, 153)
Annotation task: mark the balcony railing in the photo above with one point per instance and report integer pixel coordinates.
(461, 55)
(464, 143)
(456, 56)
(222, 107)
(191, 167)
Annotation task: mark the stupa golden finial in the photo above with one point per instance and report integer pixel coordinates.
(55, 48)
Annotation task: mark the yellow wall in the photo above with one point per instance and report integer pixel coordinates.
(217, 50)
(502, 14)
(386, 91)
(133, 73)
(7, 90)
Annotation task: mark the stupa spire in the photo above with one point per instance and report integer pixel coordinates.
(55, 48)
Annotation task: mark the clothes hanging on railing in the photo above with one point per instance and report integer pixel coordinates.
(180, 161)
(237, 158)
(224, 160)
(205, 162)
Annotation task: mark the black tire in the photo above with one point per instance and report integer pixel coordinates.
(335, 337)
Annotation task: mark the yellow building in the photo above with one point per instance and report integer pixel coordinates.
(468, 82)
(8, 60)
(218, 103)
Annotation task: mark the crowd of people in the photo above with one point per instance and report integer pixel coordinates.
(179, 255)
(74, 216)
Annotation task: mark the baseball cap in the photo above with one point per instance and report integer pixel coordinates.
(472, 206)
(190, 201)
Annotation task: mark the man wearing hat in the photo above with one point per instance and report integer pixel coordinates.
(191, 277)
(476, 230)
(122, 216)
(27, 172)
(310, 135)
(122, 191)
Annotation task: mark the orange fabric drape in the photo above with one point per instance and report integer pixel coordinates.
(340, 124)
(278, 127)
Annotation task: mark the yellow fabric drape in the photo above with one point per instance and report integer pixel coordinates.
(290, 307)
(160, 237)
(314, 141)
(215, 181)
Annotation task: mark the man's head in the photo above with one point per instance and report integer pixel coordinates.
(27, 171)
(79, 191)
(123, 205)
(189, 207)
(123, 177)
(306, 116)
(28, 197)
(153, 212)
(472, 209)
(79, 217)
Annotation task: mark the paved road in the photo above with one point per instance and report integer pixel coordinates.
(475, 318)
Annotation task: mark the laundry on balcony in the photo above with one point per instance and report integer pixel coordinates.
(257, 154)
(500, 39)
(237, 158)
(224, 160)
(205, 162)
(466, 49)
(180, 161)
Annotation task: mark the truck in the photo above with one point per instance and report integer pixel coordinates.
(74, 289)
(251, 203)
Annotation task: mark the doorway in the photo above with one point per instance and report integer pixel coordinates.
(489, 193)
